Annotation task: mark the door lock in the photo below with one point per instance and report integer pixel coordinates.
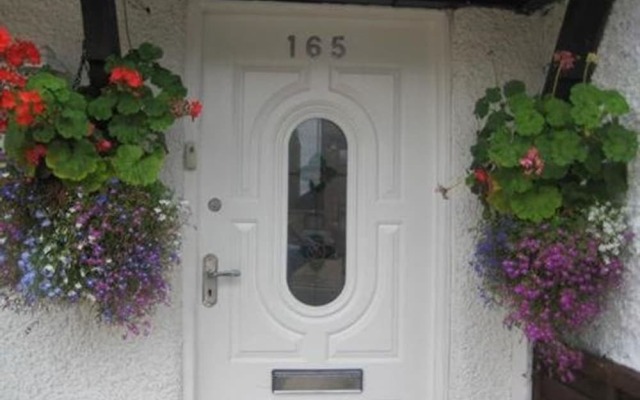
(210, 275)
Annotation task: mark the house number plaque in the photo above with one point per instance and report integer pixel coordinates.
(314, 46)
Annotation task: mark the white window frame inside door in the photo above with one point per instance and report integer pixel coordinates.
(197, 10)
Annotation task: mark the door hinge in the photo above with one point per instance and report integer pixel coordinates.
(190, 156)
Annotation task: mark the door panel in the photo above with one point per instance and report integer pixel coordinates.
(383, 94)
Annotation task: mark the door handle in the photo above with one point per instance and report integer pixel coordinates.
(210, 275)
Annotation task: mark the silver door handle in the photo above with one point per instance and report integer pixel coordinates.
(210, 275)
(233, 273)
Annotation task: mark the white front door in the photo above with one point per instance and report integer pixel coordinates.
(322, 142)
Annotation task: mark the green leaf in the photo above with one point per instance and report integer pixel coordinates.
(161, 123)
(538, 204)
(614, 103)
(72, 124)
(15, 142)
(554, 171)
(149, 52)
(520, 102)
(72, 162)
(512, 180)
(585, 93)
(482, 108)
(558, 112)
(97, 178)
(513, 88)
(44, 134)
(76, 100)
(619, 143)
(128, 104)
(155, 107)
(586, 100)
(480, 151)
(125, 129)
(133, 166)
(587, 115)
(493, 95)
(101, 108)
(495, 121)
(615, 178)
(46, 81)
(505, 150)
(567, 147)
(499, 200)
(168, 82)
(529, 122)
(593, 162)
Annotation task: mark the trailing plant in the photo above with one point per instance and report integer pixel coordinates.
(552, 176)
(113, 248)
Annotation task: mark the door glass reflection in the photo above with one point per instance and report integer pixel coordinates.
(317, 213)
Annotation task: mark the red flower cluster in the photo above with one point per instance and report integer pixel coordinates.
(35, 154)
(21, 53)
(566, 60)
(195, 109)
(191, 108)
(126, 76)
(25, 104)
(103, 145)
(5, 39)
(532, 163)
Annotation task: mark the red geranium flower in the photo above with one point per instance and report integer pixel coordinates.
(7, 100)
(3, 125)
(103, 145)
(126, 76)
(5, 39)
(565, 59)
(481, 175)
(195, 108)
(34, 154)
(532, 163)
(11, 78)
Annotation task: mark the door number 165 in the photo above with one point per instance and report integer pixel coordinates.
(314, 47)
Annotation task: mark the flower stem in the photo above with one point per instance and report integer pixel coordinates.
(555, 82)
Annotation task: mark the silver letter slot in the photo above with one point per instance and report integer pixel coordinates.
(316, 381)
(210, 275)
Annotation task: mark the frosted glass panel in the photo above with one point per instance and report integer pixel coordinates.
(316, 246)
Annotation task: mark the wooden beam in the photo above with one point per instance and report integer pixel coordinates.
(581, 32)
(101, 38)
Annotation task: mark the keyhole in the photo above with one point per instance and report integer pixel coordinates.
(209, 292)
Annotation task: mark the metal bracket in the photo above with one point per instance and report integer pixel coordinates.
(190, 156)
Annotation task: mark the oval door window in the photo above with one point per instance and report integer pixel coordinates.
(317, 213)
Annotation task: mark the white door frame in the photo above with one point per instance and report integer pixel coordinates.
(197, 10)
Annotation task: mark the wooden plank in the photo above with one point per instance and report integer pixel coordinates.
(581, 32)
(620, 377)
(554, 390)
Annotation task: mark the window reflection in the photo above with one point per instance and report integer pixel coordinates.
(316, 247)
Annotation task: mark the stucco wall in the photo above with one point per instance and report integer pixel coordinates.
(617, 335)
(66, 357)
(489, 47)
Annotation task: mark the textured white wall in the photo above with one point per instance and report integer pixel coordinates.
(617, 335)
(489, 47)
(66, 357)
